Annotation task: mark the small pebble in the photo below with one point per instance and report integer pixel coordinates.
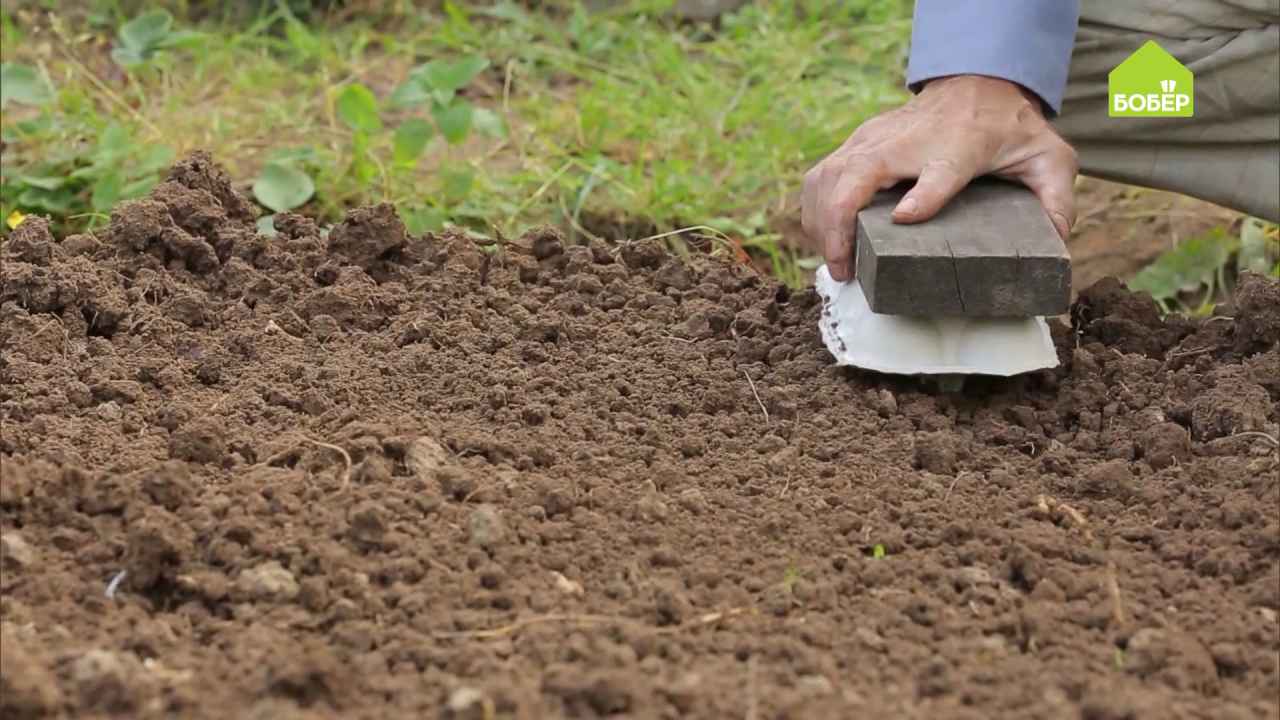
(468, 703)
(567, 586)
(15, 550)
(486, 527)
(268, 581)
(886, 404)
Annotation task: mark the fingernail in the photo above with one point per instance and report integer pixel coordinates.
(907, 208)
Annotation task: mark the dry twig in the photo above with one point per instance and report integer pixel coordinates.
(1113, 589)
(752, 383)
(1255, 433)
(518, 625)
(1194, 351)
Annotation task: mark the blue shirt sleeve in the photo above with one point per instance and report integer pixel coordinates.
(1024, 41)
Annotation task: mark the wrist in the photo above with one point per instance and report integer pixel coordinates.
(985, 85)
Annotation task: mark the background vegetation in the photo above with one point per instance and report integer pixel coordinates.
(614, 119)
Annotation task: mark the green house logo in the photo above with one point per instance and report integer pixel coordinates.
(1151, 83)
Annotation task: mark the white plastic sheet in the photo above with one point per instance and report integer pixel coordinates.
(927, 346)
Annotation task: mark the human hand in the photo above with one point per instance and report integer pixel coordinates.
(957, 128)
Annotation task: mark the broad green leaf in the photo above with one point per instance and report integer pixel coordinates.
(443, 97)
(55, 202)
(282, 187)
(421, 219)
(267, 225)
(1193, 263)
(454, 121)
(358, 108)
(411, 139)
(489, 122)
(107, 191)
(152, 159)
(1257, 251)
(180, 39)
(444, 75)
(113, 143)
(362, 166)
(457, 183)
(127, 57)
(146, 31)
(23, 84)
(49, 182)
(137, 188)
(409, 93)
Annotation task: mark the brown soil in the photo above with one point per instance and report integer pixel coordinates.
(360, 474)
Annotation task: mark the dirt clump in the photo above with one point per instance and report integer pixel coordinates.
(351, 472)
(1257, 305)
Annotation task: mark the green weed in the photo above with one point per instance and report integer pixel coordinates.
(143, 37)
(490, 116)
(1194, 276)
(1259, 247)
(72, 180)
(23, 84)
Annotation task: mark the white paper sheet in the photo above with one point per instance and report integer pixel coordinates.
(927, 346)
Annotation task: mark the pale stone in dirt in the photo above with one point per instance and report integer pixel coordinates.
(13, 549)
(424, 456)
(486, 527)
(268, 581)
(466, 703)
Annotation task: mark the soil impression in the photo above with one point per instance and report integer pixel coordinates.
(360, 474)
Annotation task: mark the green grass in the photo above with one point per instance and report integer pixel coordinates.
(621, 118)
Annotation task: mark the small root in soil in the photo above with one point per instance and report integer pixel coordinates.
(346, 459)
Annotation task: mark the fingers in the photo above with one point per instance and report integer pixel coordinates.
(955, 131)
(940, 179)
(833, 194)
(1051, 175)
